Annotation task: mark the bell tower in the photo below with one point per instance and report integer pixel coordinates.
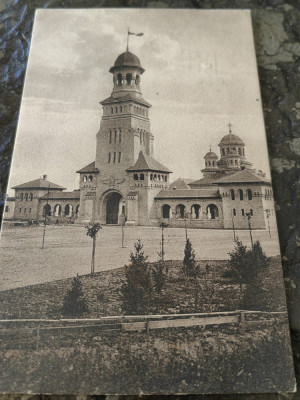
(125, 126)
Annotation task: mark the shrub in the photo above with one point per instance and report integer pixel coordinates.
(74, 302)
(245, 266)
(137, 289)
(189, 268)
(159, 274)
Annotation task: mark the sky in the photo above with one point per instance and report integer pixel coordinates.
(200, 75)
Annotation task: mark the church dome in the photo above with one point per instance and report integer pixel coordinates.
(127, 59)
(211, 154)
(231, 139)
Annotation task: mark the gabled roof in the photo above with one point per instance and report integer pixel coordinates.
(147, 163)
(180, 183)
(208, 180)
(39, 184)
(129, 96)
(188, 193)
(75, 195)
(89, 168)
(244, 176)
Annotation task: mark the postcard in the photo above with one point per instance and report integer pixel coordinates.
(139, 246)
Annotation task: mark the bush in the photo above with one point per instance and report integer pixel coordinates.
(74, 302)
(245, 266)
(189, 268)
(137, 289)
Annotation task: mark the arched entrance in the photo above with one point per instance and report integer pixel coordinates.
(113, 208)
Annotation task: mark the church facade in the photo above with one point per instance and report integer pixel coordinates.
(125, 184)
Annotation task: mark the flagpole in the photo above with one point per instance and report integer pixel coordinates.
(127, 38)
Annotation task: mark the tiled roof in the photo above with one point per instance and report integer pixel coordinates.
(187, 194)
(129, 96)
(244, 176)
(62, 195)
(147, 163)
(180, 183)
(89, 168)
(39, 184)
(206, 181)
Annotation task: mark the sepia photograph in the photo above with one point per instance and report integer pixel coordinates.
(139, 250)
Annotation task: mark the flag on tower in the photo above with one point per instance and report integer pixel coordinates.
(136, 34)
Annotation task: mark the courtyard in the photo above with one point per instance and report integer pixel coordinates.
(68, 249)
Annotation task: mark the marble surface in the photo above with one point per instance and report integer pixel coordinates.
(277, 39)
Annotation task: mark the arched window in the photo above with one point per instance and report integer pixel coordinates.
(77, 209)
(90, 178)
(154, 177)
(241, 194)
(26, 196)
(128, 79)
(112, 110)
(195, 210)
(120, 135)
(57, 210)
(232, 195)
(212, 211)
(110, 136)
(142, 177)
(47, 210)
(166, 211)
(240, 151)
(251, 212)
(136, 177)
(31, 196)
(116, 109)
(249, 193)
(85, 178)
(68, 210)
(158, 177)
(115, 137)
(166, 178)
(243, 212)
(137, 80)
(223, 152)
(151, 177)
(119, 77)
(180, 211)
(21, 196)
(234, 212)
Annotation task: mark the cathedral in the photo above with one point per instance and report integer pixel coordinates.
(127, 185)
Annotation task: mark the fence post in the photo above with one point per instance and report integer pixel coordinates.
(37, 336)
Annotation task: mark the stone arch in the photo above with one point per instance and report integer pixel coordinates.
(166, 211)
(68, 210)
(111, 205)
(195, 211)
(212, 211)
(180, 211)
(128, 79)
(47, 210)
(57, 210)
